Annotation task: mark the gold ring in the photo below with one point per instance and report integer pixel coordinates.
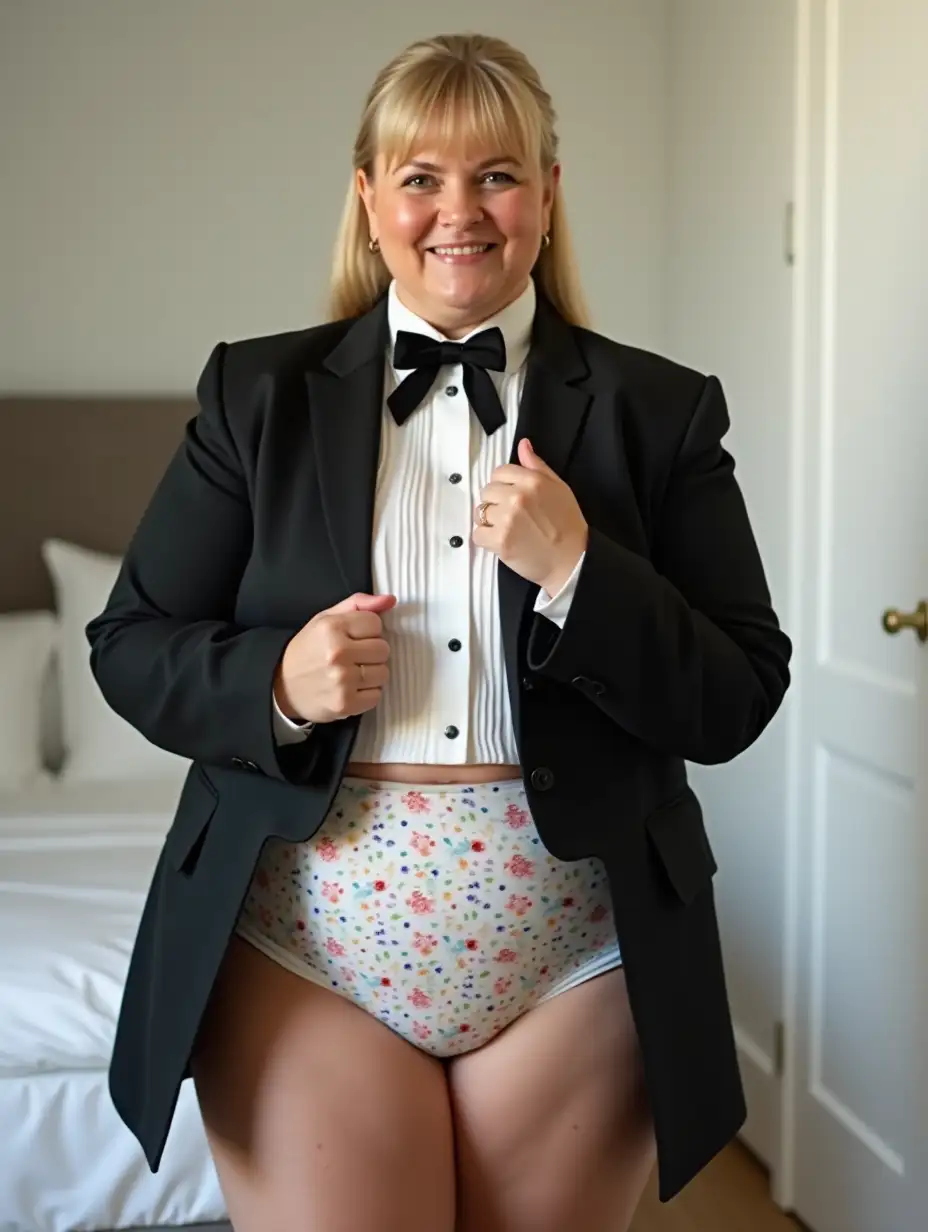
(482, 513)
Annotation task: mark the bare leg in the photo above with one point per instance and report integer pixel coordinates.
(319, 1118)
(553, 1129)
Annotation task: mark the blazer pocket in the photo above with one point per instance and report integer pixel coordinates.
(195, 809)
(679, 838)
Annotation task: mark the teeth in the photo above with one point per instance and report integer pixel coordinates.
(469, 251)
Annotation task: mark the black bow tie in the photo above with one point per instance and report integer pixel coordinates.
(485, 350)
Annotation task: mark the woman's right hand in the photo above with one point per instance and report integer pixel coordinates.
(319, 678)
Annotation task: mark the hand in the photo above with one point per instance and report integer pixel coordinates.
(320, 678)
(536, 527)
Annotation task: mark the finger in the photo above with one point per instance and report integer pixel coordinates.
(530, 459)
(361, 602)
(374, 676)
(361, 625)
(484, 537)
(496, 493)
(369, 650)
(509, 473)
(364, 700)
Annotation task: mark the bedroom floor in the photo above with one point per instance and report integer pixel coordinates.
(729, 1196)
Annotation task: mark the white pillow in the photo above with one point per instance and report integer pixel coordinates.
(26, 642)
(99, 745)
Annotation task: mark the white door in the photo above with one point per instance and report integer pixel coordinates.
(861, 1092)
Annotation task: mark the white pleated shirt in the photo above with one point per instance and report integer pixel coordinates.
(446, 701)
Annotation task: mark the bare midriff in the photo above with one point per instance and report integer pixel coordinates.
(405, 772)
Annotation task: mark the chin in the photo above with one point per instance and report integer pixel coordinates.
(474, 298)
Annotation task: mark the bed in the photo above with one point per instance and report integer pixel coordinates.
(84, 806)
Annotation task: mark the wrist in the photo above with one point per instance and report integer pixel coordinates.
(559, 576)
(283, 700)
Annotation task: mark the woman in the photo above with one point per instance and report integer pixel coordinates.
(438, 597)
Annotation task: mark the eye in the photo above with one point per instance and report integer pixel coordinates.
(417, 181)
(501, 177)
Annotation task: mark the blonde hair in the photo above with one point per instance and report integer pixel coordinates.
(447, 84)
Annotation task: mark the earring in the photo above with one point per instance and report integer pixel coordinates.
(545, 241)
(373, 245)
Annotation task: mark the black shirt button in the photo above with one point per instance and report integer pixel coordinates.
(454, 644)
(451, 732)
(528, 683)
(451, 391)
(454, 478)
(455, 541)
(542, 778)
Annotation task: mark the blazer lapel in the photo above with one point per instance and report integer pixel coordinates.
(555, 402)
(346, 407)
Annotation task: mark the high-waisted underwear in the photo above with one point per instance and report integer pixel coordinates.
(435, 908)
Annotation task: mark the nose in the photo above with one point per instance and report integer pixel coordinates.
(459, 206)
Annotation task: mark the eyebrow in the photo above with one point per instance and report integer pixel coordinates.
(421, 165)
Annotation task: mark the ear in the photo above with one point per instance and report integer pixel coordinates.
(365, 187)
(552, 180)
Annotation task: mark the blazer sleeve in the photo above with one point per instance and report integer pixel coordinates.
(166, 652)
(683, 651)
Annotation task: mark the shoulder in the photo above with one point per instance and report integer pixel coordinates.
(642, 375)
(244, 378)
(276, 356)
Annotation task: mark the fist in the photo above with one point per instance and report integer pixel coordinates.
(336, 665)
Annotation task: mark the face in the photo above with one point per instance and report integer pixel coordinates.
(459, 234)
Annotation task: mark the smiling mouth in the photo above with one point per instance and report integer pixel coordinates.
(461, 250)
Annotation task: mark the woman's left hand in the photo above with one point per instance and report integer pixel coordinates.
(536, 527)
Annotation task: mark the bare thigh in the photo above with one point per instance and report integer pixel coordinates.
(552, 1122)
(319, 1118)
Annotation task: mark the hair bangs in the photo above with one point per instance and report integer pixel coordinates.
(458, 106)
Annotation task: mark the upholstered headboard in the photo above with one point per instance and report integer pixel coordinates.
(80, 469)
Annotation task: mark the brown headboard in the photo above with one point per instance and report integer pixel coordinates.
(80, 469)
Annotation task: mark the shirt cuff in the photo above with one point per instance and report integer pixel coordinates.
(286, 731)
(556, 607)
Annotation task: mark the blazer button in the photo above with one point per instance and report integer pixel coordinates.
(528, 683)
(238, 763)
(252, 765)
(594, 686)
(451, 732)
(542, 778)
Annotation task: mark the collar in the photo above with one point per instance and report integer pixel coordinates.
(515, 321)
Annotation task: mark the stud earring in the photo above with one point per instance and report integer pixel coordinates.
(374, 245)
(545, 241)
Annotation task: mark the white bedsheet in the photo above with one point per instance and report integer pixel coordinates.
(75, 864)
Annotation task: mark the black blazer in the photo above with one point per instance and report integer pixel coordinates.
(671, 651)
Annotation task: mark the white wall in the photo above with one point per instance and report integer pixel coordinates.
(729, 310)
(173, 170)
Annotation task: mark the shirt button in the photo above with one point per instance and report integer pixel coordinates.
(451, 732)
(451, 391)
(455, 478)
(455, 541)
(454, 644)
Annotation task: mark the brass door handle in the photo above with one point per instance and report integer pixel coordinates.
(895, 622)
